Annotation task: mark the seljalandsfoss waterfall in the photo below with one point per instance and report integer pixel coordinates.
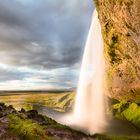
(89, 109)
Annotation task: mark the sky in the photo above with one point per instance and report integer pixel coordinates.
(42, 42)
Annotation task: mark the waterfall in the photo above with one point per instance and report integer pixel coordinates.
(89, 105)
(89, 112)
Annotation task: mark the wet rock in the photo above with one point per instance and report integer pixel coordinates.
(33, 114)
(22, 110)
(2, 104)
(1, 108)
(11, 109)
(1, 114)
(64, 134)
(5, 110)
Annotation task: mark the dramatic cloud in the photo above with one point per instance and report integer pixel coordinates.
(42, 35)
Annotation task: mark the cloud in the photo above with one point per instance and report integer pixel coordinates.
(42, 34)
(58, 27)
(32, 79)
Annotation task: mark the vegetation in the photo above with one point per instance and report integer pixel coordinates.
(125, 109)
(35, 126)
(132, 114)
(57, 101)
(26, 128)
(108, 137)
(128, 111)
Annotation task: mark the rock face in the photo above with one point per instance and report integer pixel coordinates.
(120, 21)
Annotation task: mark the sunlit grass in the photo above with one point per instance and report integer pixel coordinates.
(26, 128)
(132, 114)
(128, 111)
(57, 101)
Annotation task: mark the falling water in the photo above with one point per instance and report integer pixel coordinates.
(89, 104)
(89, 111)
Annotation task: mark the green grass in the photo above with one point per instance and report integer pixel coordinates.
(128, 111)
(65, 101)
(132, 114)
(26, 129)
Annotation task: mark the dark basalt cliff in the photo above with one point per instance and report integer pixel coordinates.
(120, 21)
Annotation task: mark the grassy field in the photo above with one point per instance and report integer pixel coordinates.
(58, 101)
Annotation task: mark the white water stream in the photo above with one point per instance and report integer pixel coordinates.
(89, 112)
(89, 105)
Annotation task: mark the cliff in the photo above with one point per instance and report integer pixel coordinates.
(120, 22)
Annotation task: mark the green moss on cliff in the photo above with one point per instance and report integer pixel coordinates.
(132, 114)
(128, 111)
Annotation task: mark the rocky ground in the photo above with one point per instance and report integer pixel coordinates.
(47, 129)
(30, 125)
